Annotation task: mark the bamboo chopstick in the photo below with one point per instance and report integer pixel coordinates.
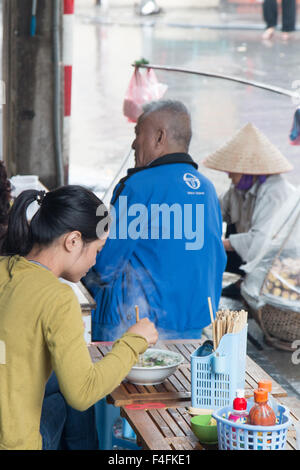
(210, 310)
(227, 321)
(137, 318)
(213, 323)
(137, 315)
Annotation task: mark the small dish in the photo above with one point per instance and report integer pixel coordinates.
(205, 432)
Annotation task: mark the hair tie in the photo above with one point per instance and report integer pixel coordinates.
(40, 197)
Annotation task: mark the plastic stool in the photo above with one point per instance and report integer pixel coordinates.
(106, 417)
(128, 432)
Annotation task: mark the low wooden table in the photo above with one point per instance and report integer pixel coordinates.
(176, 390)
(163, 429)
(169, 428)
(293, 404)
(159, 413)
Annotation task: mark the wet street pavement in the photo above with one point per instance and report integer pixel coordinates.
(108, 41)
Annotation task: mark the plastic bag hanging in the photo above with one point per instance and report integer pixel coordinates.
(295, 131)
(143, 88)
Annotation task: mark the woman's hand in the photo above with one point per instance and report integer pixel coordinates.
(145, 328)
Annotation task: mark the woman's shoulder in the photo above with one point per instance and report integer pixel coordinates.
(277, 184)
(34, 277)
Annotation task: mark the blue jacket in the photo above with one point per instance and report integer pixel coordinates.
(164, 252)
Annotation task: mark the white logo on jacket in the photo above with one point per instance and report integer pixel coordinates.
(191, 180)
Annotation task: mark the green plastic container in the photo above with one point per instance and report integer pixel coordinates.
(206, 433)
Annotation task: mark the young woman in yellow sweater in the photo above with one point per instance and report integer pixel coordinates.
(41, 327)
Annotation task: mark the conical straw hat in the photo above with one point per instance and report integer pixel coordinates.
(249, 153)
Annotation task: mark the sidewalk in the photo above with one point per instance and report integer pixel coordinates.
(202, 14)
(182, 4)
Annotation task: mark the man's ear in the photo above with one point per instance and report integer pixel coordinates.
(72, 241)
(161, 137)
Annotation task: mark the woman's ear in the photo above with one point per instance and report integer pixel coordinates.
(73, 241)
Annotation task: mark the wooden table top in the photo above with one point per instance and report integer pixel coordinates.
(176, 390)
(159, 414)
(169, 428)
(163, 429)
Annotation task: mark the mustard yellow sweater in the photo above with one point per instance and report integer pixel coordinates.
(41, 330)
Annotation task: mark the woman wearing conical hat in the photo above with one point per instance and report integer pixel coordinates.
(257, 191)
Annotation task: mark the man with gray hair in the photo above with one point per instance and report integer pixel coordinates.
(164, 253)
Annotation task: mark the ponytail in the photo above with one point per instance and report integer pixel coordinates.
(5, 198)
(18, 237)
(63, 210)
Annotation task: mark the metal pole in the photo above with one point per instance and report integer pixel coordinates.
(114, 181)
(67, 57)
(57, 93)
(280, 91)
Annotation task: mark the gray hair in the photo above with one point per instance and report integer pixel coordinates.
(179, 119)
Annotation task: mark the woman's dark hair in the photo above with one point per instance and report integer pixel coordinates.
(5, 198)
(62, 210)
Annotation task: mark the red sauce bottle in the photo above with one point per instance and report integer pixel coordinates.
(239, 413)
(261, 413)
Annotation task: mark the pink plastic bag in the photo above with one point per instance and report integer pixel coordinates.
(143, 88)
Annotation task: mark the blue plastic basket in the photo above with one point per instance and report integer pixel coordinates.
(216, 377)
(236, 436)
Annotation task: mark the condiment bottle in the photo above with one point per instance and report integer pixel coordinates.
(261, 413)
(267, 385)
(239, 413)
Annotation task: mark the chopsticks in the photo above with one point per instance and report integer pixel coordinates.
(137, 314)
(212, 321)
(137, 318)
(226, 321)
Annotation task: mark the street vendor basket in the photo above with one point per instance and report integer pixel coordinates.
(281, 327)
(216, 377)
(279, 317)
(237, 436)
(271, 287)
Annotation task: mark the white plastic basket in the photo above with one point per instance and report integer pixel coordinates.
(236, 436)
